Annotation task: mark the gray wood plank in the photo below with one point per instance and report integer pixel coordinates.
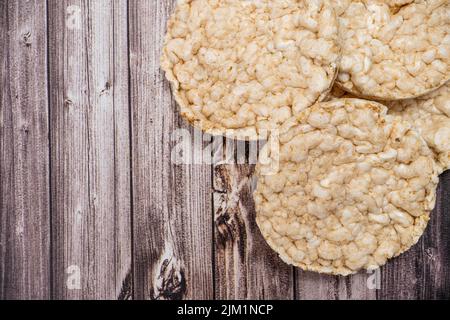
(90, 149)
(172, 203)
(24, 152)
(245, 266)
(314, 286)
(424, 272)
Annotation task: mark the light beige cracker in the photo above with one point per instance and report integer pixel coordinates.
(430, 115)
(241, 67)
(352, 188)
(394, 49)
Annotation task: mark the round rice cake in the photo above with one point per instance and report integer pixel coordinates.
(394, 50)
(430, 115)
(239, 68)
(347, 188)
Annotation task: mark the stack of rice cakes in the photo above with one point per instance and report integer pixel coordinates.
(355, 97)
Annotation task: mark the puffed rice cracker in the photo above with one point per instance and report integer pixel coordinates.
(430, 115)
(354, 188)
(394, 50)
(242, 67)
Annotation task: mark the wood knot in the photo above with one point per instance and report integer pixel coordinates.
(26, 129)
(170, 282)
(26, 39)
(106, 89)
(126, 290)
(233, 190)
(226, 227)
(430, 254)
(68, 103)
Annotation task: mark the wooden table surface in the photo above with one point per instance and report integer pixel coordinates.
(91, 205)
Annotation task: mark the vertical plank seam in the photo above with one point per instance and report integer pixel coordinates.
(130, 137)
(113, 87)
(377, 291)
(89, 89)
(294, 284)
(50, 169)
(8, 67)
(91, 205)
(4, 280)
(422, 294)
(2, 271)
(213, 229)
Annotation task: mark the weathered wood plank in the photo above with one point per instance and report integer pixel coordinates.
(24, 150)
(177, 224)
(424, 272)
(172, 203)
(314, 286)
(246, 268)
(90, 149)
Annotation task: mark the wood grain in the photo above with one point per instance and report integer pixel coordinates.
(171, 203)
(24, 160)
(90, 149)
(245, 266)
(314, 286)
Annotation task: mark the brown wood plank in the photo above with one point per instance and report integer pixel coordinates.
(424, 271)
(172, 203)
(246, 268)
(90, 149)
(24, 152)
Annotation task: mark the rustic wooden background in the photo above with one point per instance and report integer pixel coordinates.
(87, 186)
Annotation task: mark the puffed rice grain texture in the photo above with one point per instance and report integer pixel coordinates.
(348, 188)
(394, 50)
(243, 67)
